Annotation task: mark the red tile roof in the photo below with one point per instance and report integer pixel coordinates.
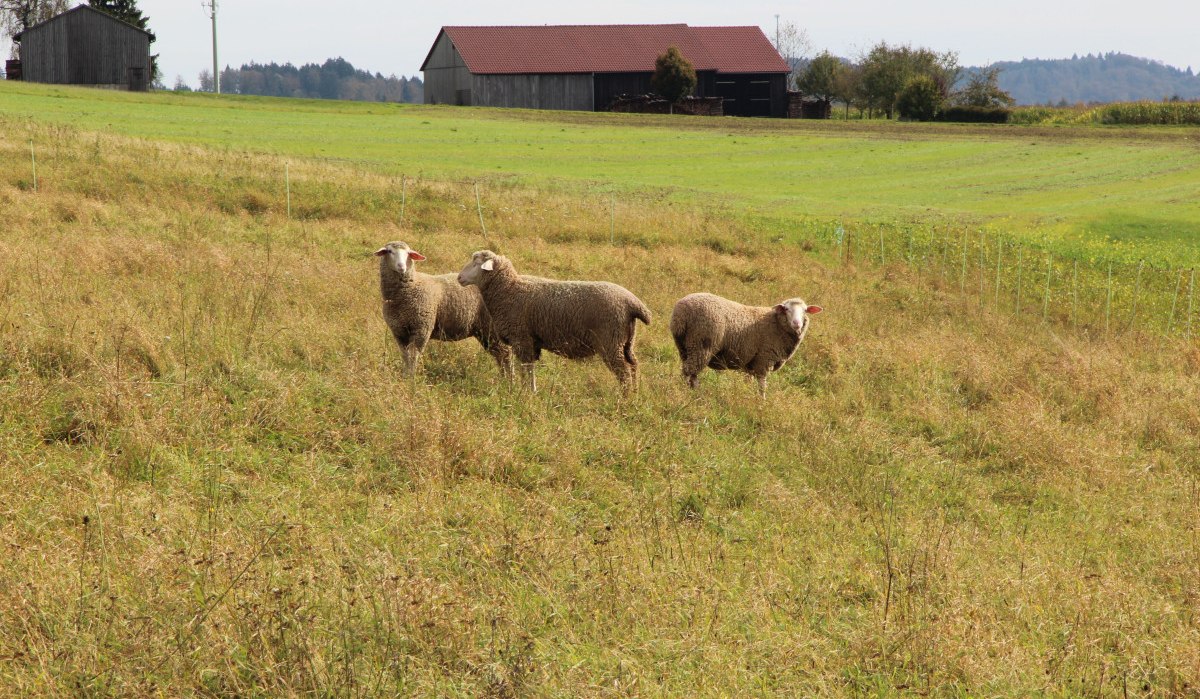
(611, 48)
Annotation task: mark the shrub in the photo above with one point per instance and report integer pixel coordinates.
(975, 115)
(673, 76)
(920, 99)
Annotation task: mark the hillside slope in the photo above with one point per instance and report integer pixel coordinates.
(1112, 77)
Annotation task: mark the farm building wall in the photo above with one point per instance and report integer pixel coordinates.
(86, 47)
(609, 86)
(753, 94)
(447, 79)
(535, 91)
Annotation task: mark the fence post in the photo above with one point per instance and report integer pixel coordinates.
(1046, 296)
(1191, 302)
(1108, 303)
(999, 253)
(612, 218)
(882, 256)
(849, 244)
(1174, 302)
(910, 248)
(1020, 269)
(479, 209)
(33, 161)
(403, 197)
(1137, 289)
(962, 277)
(1075, 296)
(287, 185)
(982, 270)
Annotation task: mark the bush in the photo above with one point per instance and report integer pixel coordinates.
(920, 99)
(673, 76)
(975, 115)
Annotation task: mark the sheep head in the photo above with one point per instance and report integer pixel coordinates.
(794, 313)
(399, 257)
(482, 264)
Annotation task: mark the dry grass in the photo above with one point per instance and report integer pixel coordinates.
(214, 482)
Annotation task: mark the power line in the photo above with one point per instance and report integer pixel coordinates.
(211, 6)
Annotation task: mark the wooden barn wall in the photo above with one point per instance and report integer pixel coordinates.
(611, 85)
(447, 79)
(535, 91)
(83, 48)
(753, 94)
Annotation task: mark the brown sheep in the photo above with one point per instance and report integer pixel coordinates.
(418, 307)
(573, 319)
(717, 333)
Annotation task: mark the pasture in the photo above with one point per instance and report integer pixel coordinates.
(1043, 184)
(213, 480)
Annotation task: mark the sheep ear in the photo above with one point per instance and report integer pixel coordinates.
(814, 310)
(381, 252)
(414, 255)
(488, 265)
(781, 308)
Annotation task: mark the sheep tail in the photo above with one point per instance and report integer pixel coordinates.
(638, 310)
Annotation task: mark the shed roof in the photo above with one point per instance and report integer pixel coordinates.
(73, 10)
(610, 48)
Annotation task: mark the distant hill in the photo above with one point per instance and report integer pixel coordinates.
(1111, 77)
(336, 78)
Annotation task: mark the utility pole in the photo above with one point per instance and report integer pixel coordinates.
(776, 32)
(211, 6)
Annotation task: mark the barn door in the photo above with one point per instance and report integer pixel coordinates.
(137, 79)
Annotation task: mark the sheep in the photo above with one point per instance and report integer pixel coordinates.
(573, 319)
(417, 307)
(722, 334)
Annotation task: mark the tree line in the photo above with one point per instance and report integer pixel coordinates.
(1100, 78)
(890, 80)
(336, 78)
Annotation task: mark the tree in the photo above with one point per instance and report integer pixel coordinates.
(847, 86)
(18, 15)
(886, 70)
(127, 11)
(181, 84)
(673, 76)
(793, 45)
(983, 90)
(820, 78)
(205, 81)
(920, 99)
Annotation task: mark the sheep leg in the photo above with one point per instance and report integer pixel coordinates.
(412, 354)
(762, 385)
(501, 353)
(622, 369)
(530, 377)
(694, 362)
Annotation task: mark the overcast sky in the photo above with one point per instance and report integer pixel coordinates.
(392, 37)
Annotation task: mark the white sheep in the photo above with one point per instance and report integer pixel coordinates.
(715, 332)
(418, 307)
(573, 319)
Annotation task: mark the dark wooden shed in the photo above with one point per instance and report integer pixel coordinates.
(84, 46)
(585, 67)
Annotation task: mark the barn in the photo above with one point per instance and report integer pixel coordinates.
(584, 67)
(84, 46)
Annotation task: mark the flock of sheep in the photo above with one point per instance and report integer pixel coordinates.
(511, 313)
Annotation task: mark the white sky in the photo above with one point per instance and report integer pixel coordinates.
(392, 37)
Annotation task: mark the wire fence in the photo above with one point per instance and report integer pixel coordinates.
(1005, 273)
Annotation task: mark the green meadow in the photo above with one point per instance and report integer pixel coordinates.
(1134, 186)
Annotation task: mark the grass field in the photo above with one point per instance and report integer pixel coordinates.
(214, 482)
(1132, 185)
